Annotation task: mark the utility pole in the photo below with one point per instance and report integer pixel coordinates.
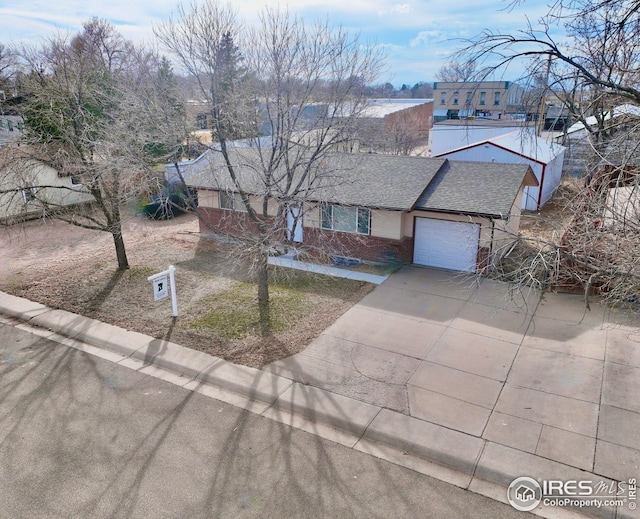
(543, 106)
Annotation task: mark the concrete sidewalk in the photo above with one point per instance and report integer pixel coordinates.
(438, 374)
(326, 270)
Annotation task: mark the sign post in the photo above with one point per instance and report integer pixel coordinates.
(161, 287)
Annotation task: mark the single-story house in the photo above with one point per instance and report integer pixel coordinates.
(28, 185)
(434, 212)
(518, 147)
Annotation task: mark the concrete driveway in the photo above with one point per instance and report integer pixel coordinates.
(539, 378)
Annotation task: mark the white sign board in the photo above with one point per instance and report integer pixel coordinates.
(160, 288)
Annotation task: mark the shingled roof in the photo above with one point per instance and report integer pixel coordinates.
(366, 180)
(387, 182)
(484, 188)
(380, 181)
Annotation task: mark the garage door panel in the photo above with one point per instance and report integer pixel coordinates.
(446, 244)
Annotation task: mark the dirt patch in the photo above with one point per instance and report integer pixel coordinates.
(551, 222)
(71, 268)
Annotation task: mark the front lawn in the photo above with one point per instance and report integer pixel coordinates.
(74, 269)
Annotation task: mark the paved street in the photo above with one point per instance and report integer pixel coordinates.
(83, 437)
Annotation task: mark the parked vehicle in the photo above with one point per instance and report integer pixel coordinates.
(170, 202)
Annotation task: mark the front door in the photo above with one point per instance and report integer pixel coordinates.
(294, 224)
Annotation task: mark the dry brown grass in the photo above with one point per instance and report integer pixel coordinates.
(75, 269)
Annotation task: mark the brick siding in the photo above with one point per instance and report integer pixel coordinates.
(351, 245)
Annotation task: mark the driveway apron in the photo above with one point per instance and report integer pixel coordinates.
(535, 374)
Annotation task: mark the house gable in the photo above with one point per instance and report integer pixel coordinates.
(476, 188)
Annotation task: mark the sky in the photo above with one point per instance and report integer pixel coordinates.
(417, 36)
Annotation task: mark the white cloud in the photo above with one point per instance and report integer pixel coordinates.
(425, 38)
(401, 8)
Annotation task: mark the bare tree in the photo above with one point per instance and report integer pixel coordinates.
(592, 68)
(457, 71)
(8, 66)
(601, 51)
(92, 114)
(294, 91)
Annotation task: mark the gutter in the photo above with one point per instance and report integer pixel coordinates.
(498, 216)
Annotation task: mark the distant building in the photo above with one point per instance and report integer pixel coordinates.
(458, 100)
(391, 126)
(454, 133)
(395, 126)
(556, 118)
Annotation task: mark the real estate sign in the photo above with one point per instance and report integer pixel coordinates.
(163, 283)
(160, 288)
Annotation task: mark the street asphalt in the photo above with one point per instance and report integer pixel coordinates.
(84, 437)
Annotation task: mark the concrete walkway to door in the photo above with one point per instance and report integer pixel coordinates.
(519, 385)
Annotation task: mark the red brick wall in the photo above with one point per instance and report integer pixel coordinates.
(233, 223)
(417, 120)
(369, 248)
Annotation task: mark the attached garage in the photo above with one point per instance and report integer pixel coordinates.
(446, 244)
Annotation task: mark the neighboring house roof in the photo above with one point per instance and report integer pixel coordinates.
(618, 111)
(523, 143)
(379, 108)
(476, 188)
(389, 182)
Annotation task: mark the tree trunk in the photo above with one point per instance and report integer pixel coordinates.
(121, 253)
(263, 294)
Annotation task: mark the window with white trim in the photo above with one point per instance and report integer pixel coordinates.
(345, 219)
(231, 201)
(469, 98)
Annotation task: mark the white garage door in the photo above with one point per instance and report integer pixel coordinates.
(445, 244)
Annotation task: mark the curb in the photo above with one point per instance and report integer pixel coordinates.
(452, 456)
